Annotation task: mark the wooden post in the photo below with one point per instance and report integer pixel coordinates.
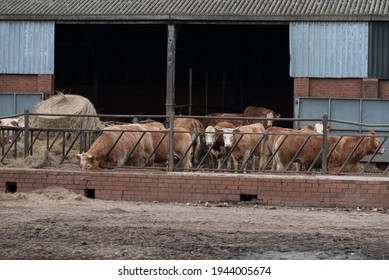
(170, 88)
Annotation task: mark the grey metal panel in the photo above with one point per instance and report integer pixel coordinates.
(13, 103)
(379, 50)
(7, 107)
(26, 47)
(329, 49)
(367, 111)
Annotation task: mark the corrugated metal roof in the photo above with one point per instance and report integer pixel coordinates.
(244, 10)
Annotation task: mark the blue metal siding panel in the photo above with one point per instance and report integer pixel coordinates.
(26, 47)
(329, 49)
(379, 50)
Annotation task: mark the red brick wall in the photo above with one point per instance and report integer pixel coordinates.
(188, 187)
(343, 88)
(383, 89)
(27, 83)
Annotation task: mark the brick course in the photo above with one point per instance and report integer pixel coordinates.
(342, 88)
(27, 83)
(291, 190)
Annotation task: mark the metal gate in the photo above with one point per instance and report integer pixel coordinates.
(347, 116)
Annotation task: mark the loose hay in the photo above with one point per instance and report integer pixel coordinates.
(44, 195)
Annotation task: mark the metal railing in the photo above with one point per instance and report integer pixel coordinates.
(27, 141)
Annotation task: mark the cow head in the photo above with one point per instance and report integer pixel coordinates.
(88, 162)
(376, 142)
(210, 135)
(228, 136)
(270, 116)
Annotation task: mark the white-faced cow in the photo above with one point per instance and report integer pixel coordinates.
(266, 114)
(214, 141)
(133, 147)
(244, 140)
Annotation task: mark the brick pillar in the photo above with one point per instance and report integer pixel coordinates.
(301, 87)
(370, 88)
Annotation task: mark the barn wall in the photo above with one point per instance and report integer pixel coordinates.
(329, 49)
(342, 88)
(185, 187)
(26, 47)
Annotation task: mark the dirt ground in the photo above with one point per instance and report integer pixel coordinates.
(55, 223)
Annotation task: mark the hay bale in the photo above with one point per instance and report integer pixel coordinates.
(66, 104)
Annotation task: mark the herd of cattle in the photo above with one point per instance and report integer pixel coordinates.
(225, 139)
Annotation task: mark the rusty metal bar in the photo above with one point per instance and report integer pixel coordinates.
(324, 147)
(26, 132)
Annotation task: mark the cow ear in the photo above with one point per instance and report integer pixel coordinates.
(237, 128)
(78, 156)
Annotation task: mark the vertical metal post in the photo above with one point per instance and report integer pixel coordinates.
(26, 132)
(223, 90)
(324, 150)
(170, 88)
(190, 91)
(206, 93)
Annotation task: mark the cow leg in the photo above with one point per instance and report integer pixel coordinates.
(245, 160)
(236, 163)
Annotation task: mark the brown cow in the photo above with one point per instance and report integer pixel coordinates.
(288, 145)
(368, 145)
(95, 159)
(214, 141)
(228, 117)
(261, 112)
(247, 144)
(182, 142)
(196, 129)
(267, 147)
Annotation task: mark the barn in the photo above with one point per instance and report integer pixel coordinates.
(302, 58)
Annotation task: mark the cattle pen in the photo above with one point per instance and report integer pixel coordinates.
(38, 157)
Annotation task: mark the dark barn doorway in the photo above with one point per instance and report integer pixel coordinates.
(122, 68)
